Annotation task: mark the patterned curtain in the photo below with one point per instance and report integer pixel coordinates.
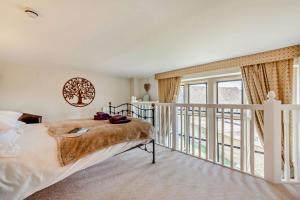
(167, 91)
(260, 79)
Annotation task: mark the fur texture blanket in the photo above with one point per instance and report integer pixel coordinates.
(101, 134)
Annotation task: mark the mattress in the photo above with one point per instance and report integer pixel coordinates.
(37, 166)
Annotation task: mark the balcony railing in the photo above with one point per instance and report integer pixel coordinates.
(225, 134)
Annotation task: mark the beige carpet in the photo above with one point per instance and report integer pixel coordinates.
(131, 176)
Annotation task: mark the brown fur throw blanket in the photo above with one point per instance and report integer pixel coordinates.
(101, 134)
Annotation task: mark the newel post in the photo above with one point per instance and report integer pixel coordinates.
(133, 99)
(174, 124)
(132, 108)
(272, 139)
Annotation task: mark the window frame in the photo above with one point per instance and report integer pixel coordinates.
(212, 97)
(222, 81)
(217, 92)
(197, 83)
(183, 95)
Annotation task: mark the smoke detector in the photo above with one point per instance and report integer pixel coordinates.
(31, 13)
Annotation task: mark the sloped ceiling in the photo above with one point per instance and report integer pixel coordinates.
(137, 38)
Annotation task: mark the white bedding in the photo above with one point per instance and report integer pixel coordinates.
(37, 167)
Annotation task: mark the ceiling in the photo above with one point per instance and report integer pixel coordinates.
(137, 38)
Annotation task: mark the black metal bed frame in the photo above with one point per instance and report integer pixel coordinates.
(142, 113)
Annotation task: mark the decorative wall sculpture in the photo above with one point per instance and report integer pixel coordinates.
(79, 92)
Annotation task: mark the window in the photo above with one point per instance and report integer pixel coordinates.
(180, 97)
(230, 92)
(197, 93)
(222, 90)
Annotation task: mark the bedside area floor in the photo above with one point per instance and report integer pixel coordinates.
(175, 176)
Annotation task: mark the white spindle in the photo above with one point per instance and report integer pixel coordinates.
(297, 146)
(200, 131)
(242, 139)
(286, 146)
(160, 125)
(187, 130)
(206, 134)
(169, 127)
(157, 121)
(165, 135)
(136, 111)
(173, 110)
(149, 113)
(157, 124)
(162, 120)
(165, 139)
(193, 133)
(231, 138)
(213, 139)
(223, 150)
(140, 111)
(181, 128)
(252, 128)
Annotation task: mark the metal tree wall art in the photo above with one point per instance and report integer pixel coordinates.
(79, 92)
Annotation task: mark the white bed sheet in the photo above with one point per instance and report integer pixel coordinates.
(37, 166)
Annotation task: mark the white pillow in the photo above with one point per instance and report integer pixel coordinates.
(4, 127)
(9, 132)
(9, 137)
(11, 114)
(8, 123)
(9, 150)
(8, 146)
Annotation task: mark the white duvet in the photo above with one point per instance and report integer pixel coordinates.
(37, 167)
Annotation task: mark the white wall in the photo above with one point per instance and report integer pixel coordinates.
(134, 87)
(39, 91)
(137, 87)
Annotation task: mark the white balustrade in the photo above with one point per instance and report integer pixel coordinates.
(225, 134)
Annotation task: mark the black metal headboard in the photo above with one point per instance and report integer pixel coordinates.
(128, 110)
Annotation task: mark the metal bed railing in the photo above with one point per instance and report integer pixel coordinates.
(147, 114)
(134, 111)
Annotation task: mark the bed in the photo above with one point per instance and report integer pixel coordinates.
(37, 166)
